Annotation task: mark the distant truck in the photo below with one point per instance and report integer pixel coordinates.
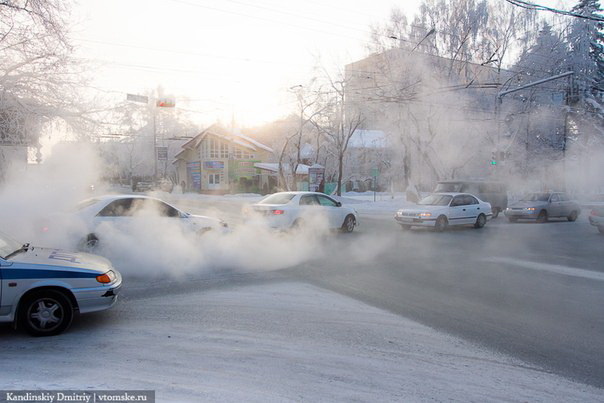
(494, 193)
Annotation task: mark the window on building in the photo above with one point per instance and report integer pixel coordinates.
(224, 149)
(214, 144)
(242, 154)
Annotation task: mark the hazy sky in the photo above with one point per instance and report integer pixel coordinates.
(223, 57)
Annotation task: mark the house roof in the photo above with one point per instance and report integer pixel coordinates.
(239, 139)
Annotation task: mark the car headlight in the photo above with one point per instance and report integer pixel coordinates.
(399, 213)
(530, 208)
(424, 215)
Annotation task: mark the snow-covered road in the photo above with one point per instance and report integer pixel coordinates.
(272, 342)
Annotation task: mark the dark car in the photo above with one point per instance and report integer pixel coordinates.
(494, 193)
(541, 206)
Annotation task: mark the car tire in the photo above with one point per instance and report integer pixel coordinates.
(349, 224)
(405, 227)
(441, 224)
(90, 242)
(572, 216)
(512, 219)
(496, 212)
(480, 221)
(542, 217)
(45, 313)
(298, 224)
(601, 229)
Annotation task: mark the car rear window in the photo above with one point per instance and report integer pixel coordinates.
(277, 198)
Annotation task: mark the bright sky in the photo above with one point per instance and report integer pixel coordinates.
(226, 56)
(221, 58)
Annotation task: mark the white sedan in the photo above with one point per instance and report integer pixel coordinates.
(126, 211)
(286, 210)
(440, 210)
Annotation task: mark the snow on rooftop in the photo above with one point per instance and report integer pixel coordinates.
(302, 169)
(254, 142)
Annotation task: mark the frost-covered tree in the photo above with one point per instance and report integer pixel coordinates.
(479, 31)
(39, 78)
(544, 58)
(586, 56)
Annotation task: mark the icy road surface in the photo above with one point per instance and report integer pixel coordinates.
(271, 342)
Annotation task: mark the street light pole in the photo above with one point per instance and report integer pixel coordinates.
(154, 112)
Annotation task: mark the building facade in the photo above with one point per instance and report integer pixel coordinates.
(219, 161)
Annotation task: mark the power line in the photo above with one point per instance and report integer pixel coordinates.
(538, 7)
(182, 52)
(289, 24)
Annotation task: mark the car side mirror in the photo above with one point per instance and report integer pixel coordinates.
(338, 204)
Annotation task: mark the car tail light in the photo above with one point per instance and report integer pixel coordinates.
(278, 212)
(593, 212)
(106, 278)
(44, 229)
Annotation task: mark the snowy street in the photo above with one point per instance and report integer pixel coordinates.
(271, 342)
(377, 315)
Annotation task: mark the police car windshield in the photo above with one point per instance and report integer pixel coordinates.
(8, 245)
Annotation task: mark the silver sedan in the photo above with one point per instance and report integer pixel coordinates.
(543, 206)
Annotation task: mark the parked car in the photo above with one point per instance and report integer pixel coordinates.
(494, 193)
(287, 210)
(41, 288)
(164, 184)
(596, 218)
(440, 210)
(142, 186)
(543, 206)
(129, 209)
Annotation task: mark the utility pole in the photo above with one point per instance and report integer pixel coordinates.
(154, 113)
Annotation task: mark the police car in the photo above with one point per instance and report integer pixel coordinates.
(41, 288)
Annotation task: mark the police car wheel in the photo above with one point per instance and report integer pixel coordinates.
(91, 241)
(46, 313)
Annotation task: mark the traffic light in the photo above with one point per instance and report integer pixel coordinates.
(494, 158)
(165, 103)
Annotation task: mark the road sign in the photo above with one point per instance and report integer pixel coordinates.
(162, 153)
(316, 174)
(137, 98)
